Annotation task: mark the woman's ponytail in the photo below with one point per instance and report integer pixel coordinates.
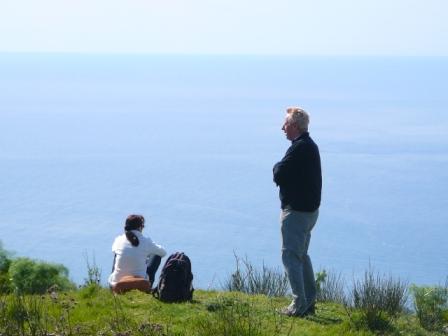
(133, 222)
(133, 239)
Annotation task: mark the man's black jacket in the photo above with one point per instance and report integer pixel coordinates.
(299, 175)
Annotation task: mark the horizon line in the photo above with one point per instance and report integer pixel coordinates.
(190, 54)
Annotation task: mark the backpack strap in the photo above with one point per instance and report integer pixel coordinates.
(155, 292)
(113, 263)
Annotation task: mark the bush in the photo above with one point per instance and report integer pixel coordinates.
(5, 263)
(378, 299)
(431, 306)
(35, 277)
(5, 259)
(248, 279)
(330, 287)
(5, 283)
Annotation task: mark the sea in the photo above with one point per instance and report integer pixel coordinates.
(189, 141)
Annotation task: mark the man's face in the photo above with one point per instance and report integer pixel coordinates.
(291, 130)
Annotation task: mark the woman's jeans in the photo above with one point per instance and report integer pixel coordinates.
(153, 263)
(296, 229)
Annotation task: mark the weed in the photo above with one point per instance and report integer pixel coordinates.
(431, 306)
(378, 300)
(93, 272)
(330, 287)
(248, 279)
(89, 291)
(23, 315)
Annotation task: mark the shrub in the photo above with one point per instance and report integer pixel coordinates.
(5, 283)
(35, 277)
(5, 259)
(378, 299)
(330, 287)
(248, 279)
(431, 306)
(5, 263)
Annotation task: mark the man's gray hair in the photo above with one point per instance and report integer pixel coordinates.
(299, 116)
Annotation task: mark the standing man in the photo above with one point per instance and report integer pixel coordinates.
(299, 177)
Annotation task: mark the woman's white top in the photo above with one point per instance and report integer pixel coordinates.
(131, 260)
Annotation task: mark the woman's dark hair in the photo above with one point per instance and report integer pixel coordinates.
(133, 222)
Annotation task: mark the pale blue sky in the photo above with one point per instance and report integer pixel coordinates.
(318, 27)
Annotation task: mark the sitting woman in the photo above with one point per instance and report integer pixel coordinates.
(136, 258)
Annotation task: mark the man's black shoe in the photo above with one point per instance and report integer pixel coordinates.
(288, 312)
(310, 311)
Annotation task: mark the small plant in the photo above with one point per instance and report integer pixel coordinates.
(64, 305)
(431, 306)
(23, 315)
(377, 299)
(248, 279)
(35, 277)
(330, 287)
(93, 272)
(14, 315)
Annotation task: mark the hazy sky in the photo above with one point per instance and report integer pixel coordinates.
(328, 27)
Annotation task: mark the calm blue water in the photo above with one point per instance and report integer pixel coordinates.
(189, 142)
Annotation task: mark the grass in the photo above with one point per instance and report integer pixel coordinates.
(431, 306)
(330, 287)
(251, 280)
(376, 301)
(96, 311)
(35, 301)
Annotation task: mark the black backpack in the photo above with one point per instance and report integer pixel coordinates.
(176, 279)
